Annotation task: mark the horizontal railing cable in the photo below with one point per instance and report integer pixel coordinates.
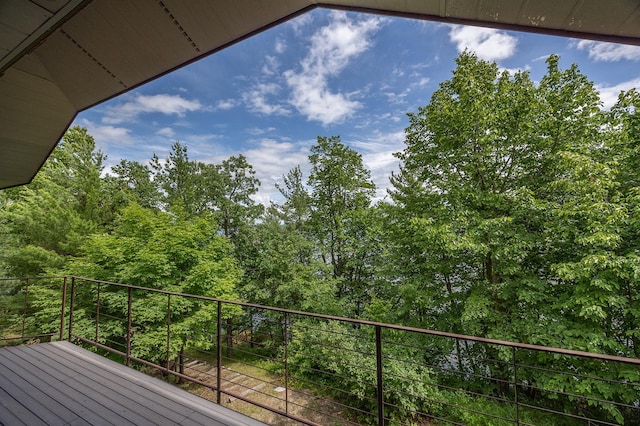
(333, 369)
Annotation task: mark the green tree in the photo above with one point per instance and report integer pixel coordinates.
(341, 191)
(281, 270)
(296, 208)
(49, 219)
(490, 167)
(508, 216)
(179, 179)
(193, 187)
(624, 121)
(164, 251)
(136, 180)
(233, 203)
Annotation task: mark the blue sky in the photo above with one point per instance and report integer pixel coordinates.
(325, 73)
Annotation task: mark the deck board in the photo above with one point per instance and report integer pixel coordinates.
(155, 407)
(24, 387)
(133, 407)
(13, 412)
(62, 384)
(88, 410)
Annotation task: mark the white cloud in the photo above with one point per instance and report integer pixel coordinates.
(397, 72)
(397, 98)
(609, 94)
(166, 131)
(300, 21)
(106, 135)
(271, 66)
(387, 116)
(117, 143)
(271, 159)
(489, 44)
(255, 131)
(280, 46)
(258, 97)
(141, 104)
(542, 58)
(377, 155)
(514, 71)
(226, 104)
(203, 143)
(422, 82)
(331, 49)
(316, 102)
(608, 52)
(204, 146)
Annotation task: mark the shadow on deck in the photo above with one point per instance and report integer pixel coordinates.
(60, 383)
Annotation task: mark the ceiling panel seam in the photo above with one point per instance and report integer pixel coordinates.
(571, 18)
(93, 58)
(34, 75)
(633, 15)
(178, 26)
(37, 37)
(50, 10)
(523, 6)
(478, 10)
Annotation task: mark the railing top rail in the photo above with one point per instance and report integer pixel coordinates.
(516, 345)
(53, 277)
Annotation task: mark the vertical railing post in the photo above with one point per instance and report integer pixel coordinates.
(286, 362)
(229, 337)
(24, 305)
(515, 384)
(251, 344)
(168, 331)
(379, 375)
(129, 302)
(219, 356)
(97, 333)
(62, 307)
(71, 302)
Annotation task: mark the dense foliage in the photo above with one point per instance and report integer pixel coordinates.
(515, 215)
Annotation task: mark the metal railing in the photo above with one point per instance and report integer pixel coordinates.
(320, 369)
(32, 309)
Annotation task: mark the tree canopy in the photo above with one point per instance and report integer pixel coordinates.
(514, 214)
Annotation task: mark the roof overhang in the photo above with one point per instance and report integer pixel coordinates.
(59, 57)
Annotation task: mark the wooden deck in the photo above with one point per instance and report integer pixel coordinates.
(60, 383)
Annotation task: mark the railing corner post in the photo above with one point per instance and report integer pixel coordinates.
(380, 388)
(219, 355)
(25, 303)
(168, 332)
(129, 303)
(62, 307)
(286, 362)
(515, 384)
(71, 302)
(97, 331)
